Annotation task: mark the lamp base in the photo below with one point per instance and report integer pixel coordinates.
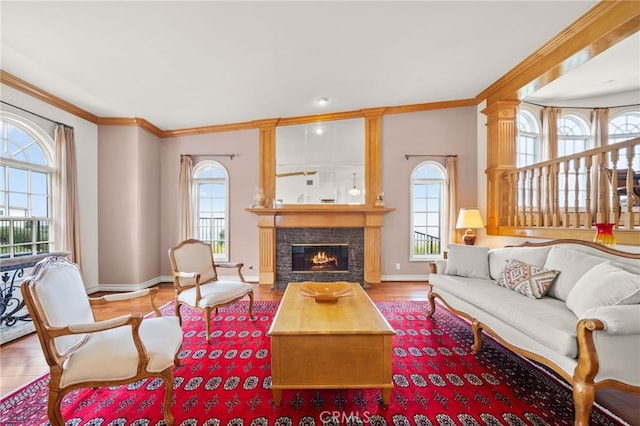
(469, 238)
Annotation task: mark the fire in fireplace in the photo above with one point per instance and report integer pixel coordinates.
(319, 258)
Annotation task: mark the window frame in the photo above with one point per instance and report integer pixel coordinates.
(621, 137)
(535, 135)
(585, 123)
(45, 143)
(413, 257)
(198, 168)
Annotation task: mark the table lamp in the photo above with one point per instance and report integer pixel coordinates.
(469, 219)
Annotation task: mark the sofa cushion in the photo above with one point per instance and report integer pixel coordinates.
(604, 285)
(531, 255)
(468, 261)
(546, 320)
(528, 280)
(572, 264)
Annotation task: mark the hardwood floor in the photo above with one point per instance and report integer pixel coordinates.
(21, 361)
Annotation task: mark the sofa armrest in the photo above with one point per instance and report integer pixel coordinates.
(440, 266)
(619, 319)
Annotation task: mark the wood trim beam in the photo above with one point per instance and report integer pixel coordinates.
(604, 25)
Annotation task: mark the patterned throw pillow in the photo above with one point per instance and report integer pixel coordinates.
(529, 280)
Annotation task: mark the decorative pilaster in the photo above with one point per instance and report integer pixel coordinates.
(501, 136)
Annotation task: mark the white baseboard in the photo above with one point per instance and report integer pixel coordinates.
(404, 277)
(129, 287)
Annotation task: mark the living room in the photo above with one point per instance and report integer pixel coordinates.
(128, 167)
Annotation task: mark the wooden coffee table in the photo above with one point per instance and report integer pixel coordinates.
(343, 345)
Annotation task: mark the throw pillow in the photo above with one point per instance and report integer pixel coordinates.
(604, 285)
(531, 255)
(529, 280)
(573, 264)
(468, 261)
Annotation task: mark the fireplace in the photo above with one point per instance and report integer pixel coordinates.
(319, 258)
(345, 244)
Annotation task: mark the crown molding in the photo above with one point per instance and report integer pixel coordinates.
(126, 121)
(33, 91)
(459, 103)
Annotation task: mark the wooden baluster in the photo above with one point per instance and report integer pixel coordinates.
(514, 197)
(509, 177)
(556, 195)
(538, 197)
(576, 193)
(629, 219)
(567, 218)
(530, 216)
(588, 217)
(522, 201)
(547, 196)
(615, 199)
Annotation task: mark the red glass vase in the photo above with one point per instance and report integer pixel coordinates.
(604, 235)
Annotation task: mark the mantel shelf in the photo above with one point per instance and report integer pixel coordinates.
(320, 216)
(320, 209)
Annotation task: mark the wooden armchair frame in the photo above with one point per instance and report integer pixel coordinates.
(47, 334)
(196, 280)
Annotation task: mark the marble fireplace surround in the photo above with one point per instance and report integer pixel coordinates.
(322, 218)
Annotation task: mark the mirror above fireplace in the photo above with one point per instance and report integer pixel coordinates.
(321, 162)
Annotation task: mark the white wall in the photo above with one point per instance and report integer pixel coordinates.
(438, 132)
(86, 134)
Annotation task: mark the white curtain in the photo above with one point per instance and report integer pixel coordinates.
(66, 212)
(550, 132)
(452, 198)
(185, 189)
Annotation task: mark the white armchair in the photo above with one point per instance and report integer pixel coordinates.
(196, 282)
(84, 353)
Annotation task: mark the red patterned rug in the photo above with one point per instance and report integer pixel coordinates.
(437, 382)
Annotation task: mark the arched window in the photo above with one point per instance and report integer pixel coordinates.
(26, 176)
(211, 186)
(528, 150)
(573, 137)
(622, 127)
(427, 210)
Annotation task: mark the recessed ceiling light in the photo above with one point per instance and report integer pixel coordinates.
(322, 100)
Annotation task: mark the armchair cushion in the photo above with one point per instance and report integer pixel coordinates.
(215, 293)
(161, 338)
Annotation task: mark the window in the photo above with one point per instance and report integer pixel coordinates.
(622, 127)
(427, 207)
(573, 137)
(212, 219)
(25, 188)
(528, 140)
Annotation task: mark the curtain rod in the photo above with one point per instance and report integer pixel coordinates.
(407, 156)
(37, 115)
(577, 107)
(210, 155)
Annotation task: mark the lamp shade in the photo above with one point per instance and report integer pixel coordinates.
(469, 218)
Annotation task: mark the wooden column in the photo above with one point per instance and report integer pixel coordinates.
(373, 156)
(267, 172)
(267, 248)
(501, 137)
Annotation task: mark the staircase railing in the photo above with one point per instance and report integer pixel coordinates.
(575, 191)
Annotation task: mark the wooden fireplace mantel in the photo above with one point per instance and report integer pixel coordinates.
(320, 216)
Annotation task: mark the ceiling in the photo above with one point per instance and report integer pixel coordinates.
(189, 64)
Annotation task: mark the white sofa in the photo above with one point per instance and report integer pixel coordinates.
(585, 326)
